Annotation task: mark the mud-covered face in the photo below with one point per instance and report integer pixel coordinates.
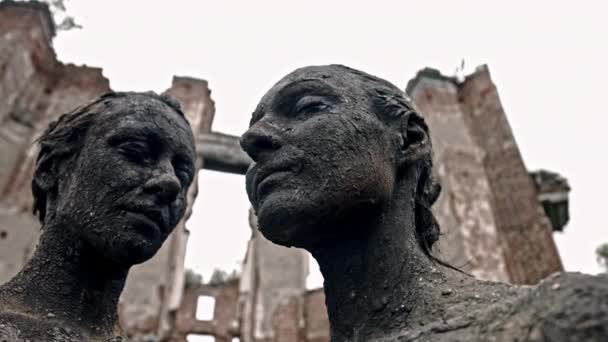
(127, 187)
(322, 158)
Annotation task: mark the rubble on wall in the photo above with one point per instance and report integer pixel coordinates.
(494, 231)
(552, 190)
(494, 222)
(35, 88)
(478, 163)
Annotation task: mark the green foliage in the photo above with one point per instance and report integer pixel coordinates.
(602, 255)
(192, 279)
(219, 277)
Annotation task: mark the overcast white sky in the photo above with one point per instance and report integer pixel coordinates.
(547, 58)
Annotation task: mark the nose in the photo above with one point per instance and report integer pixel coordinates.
(260, 139)
(164, 185)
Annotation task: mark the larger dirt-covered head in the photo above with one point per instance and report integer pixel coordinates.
(330, 146)
(114, 173)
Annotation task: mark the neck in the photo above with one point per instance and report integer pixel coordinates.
(64, 281)
(374, 283)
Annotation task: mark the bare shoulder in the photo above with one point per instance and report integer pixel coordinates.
(15, 327)
(572, 305)
(564, 307)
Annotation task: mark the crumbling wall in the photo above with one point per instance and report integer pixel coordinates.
(489, 208)
(525, 230)
(464, 209)
(35, 88)
(280, 275)
(225, 322)
(485, 185)
(315, 316)
(154, 289)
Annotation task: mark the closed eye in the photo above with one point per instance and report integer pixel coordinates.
(183, 170)
(135, 149)
(310, 104)
(184, 176)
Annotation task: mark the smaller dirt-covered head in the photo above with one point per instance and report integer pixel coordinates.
(115, 173)
(330, 146)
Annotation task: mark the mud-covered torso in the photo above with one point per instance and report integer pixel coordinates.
(16, 327)
(565, 307)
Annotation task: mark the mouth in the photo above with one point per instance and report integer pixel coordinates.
(269, 178)
(270, 182)
(148, 220)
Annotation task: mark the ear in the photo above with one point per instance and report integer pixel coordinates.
(46, 173)
(415, 140)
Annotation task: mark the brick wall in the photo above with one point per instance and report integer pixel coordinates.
(35, 88)
(492, 221)
(489, 208)
(464, 209)
(524, 229)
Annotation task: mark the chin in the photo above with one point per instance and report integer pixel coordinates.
(293, 236)
(315, 220)
(280, 233)
(132, 253)
(288, 224)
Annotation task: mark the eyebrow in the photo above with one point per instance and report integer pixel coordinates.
(149, 135)
(305, 86)
(125, 133)
(295, 90)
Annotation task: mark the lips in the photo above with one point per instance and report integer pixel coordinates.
(267, 177)
(150, 214)
(270, 181)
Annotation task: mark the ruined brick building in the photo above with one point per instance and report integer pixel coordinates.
(497, 218)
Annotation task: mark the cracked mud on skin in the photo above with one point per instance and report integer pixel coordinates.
(109, 187)
(343, 168)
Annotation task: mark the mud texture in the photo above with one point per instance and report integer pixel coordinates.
(343, 168)
(109, 187)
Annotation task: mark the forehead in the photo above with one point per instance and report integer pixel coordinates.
(323, 77)
(139, 109)
(321, 80)
(142, 113)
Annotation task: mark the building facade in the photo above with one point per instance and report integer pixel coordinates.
(497, 220)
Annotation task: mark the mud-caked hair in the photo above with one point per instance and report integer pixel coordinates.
(393, 107)
(64, 138)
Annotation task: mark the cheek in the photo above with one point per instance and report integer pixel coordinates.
(350, 159)
(119, 175)
(117, 172)
(178, 207)
(99, 180)
(249, 183)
